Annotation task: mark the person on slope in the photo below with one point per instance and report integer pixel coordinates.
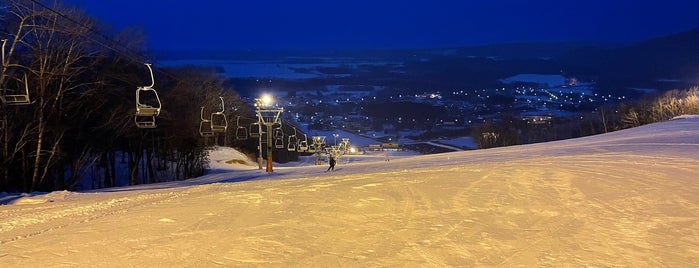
(332, 164)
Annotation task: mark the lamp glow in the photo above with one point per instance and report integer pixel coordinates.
(266, 100)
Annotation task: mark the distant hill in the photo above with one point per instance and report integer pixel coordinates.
(663, 63)
(535, 50)
(666, 62)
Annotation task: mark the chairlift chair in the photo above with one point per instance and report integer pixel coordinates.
(279, 142)
(255, 130)
(303, 144)
(278, 137)
(205, 125)
(146, 112)
(219, 123)
(292, 142)
(241, 132)
(16, 99)
(144, 121)
(205, 129)
(13, 99)
(278, 133)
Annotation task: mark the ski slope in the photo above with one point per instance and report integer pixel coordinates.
(628, 198)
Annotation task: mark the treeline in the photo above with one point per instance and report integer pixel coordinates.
(77, 131)
(510, 130)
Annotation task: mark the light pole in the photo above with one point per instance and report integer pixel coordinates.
(269, 116)
(336, 135)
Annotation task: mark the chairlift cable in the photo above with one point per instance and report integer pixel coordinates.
(138, 58)
(92, 30)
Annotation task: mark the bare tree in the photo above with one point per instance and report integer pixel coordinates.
(81, 118)
(57, 52)
(60, 54)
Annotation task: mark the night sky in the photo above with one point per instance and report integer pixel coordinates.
(328, 24)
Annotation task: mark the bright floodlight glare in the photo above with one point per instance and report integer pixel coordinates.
(266, 100)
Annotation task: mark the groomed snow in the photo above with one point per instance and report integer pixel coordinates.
(628, 198)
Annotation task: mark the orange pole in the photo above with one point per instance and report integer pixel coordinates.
(269, 164)
(269, 146)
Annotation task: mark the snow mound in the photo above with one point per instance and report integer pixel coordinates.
(225, 158)
(34, 198)
(686, 116)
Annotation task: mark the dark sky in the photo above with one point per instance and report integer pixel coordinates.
(330, 24)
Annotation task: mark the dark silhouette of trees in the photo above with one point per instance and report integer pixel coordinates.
(79, 131)
(508, 130)
(496, 133)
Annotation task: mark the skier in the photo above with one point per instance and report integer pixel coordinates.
(332, 164)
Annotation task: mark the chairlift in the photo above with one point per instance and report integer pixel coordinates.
(292, 142)
(241, 132)
(278, 137)
(146, 112)
(303, 144)
(16, 99)
(278, 133)
(279, 142)
(205, 129)
(13, 99)
(255, 130)
(219, 123)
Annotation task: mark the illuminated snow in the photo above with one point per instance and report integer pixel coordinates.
(628, 198)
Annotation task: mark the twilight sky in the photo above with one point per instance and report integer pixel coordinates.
(329, 24)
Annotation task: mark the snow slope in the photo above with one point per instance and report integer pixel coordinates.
(628, 198)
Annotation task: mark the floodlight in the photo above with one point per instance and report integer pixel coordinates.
(267, 100)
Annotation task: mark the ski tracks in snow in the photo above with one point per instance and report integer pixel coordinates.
(22, 221)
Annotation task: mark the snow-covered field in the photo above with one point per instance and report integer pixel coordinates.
(628, 198)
